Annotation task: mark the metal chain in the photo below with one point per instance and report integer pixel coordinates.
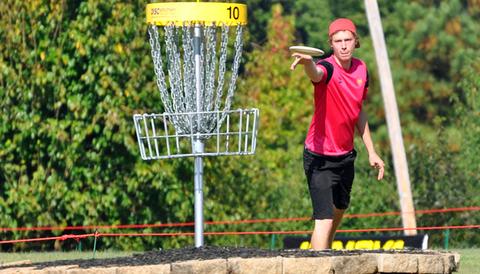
(188, 75)
(236, 63)
(181, 75)
(188, 69)
(198, 122)
(158, 67)
(175, 77)
(174, 73)
(212, 122)
(210, 66)
(222, 65)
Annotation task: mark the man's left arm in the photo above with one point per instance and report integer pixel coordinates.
(364, 131)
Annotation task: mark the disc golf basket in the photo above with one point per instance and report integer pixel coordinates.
(190, 44)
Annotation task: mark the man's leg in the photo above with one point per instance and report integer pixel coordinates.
(321, 234)
(341, 193)
(337, 219)
(324, 230)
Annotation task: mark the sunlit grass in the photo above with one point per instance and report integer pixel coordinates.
(36, 257)
(469, 260)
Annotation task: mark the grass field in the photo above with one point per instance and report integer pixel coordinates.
(469, 260)
(36, 257)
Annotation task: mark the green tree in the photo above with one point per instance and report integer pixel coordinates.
(445, 171)
(72, 74)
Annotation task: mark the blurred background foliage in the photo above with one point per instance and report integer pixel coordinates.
(72, 74)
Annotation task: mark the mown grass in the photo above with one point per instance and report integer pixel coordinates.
(36, 257)
(469, 258)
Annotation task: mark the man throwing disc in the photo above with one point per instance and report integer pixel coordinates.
(340, 86)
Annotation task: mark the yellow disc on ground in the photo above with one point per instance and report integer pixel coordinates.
(205, 13)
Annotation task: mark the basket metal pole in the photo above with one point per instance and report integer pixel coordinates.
(198, 145)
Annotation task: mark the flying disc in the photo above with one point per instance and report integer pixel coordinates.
(307, 50)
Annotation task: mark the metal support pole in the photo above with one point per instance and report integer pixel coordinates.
(199, 148)
(198, 145)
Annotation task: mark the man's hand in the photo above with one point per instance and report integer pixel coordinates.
(377, 163)
(310, 69)
(301, 59)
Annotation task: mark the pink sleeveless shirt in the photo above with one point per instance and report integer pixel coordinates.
(337, 107)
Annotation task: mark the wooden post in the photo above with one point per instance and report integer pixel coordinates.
(393, 121)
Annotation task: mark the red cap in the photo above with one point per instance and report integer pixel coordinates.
(342, 24)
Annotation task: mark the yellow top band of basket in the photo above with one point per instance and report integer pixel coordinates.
(205, 13)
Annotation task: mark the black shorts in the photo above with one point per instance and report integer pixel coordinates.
(330, 180)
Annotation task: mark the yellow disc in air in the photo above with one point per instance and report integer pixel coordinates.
(205, 13)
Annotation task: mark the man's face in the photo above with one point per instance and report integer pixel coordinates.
(343, 45)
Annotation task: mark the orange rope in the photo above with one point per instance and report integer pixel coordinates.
(273, 220)
(78, 237)
(61, 238)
